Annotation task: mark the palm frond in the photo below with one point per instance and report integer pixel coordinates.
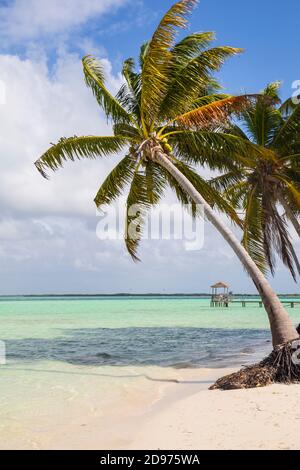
(290, 130)
(116, 181)
(237, 131)
(216, 113)
(253, 235)
(293, 189)
(236, 193)
(262, 121)
(155, 182)
(77, 148)
(191, 46)
(146, 189)
(276, 237)
(211, 195)
(143, 53)
(288, 107)
(290, 158)
(208, 99)
(290, 173)
(214, 58)
(157, 59)
(191, 80)
(227, 181)
(266, 233)
(136, 209)
(182, 196)
(217, 150)
(134, 84)
(95, 79)
(127, 131)
(272, 91)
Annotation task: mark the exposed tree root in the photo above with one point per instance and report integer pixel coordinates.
(281, 366)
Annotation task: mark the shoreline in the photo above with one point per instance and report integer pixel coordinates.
(251, 419)
(150, 408)
(103, 408)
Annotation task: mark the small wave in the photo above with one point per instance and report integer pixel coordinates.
(105, 355)
(183, 365)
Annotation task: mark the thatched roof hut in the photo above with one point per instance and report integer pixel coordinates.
(219, 297)
(219, 285)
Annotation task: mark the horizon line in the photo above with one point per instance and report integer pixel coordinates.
(130, 294)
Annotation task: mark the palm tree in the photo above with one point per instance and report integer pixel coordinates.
(268, 178)
(166, 116)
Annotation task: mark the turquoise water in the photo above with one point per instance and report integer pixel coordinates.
(75, 366)
(129, 331)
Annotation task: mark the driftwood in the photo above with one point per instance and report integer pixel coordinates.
(281, 366)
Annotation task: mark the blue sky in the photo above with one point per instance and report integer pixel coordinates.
(48, 237)
(267, 30)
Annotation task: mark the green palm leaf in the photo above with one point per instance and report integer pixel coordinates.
(253, 236)
(77, 148)
(212, 196)
(182, 196)
(136, 209)
(191, 80)
(276, 235)
(116, 181)
(155, 182)
(228, 181)
(262, 123)
(127, 131)
(293, 189)
(190, 47)
(146, 190)
(290, 130)
(157, 59)
(95, 79)
(288, 107)
(134, 84)
(218, 150)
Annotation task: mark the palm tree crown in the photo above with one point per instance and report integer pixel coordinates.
(268, 179)
(173, 101)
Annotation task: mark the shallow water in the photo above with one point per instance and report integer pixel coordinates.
(72, 361)
(131, 331)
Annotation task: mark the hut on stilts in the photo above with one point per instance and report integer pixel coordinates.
(220, 295)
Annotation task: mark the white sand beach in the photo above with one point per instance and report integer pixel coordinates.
(262, 418)
(147, 408)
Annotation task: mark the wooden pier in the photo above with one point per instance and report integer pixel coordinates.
(244, 303)
(221, 297)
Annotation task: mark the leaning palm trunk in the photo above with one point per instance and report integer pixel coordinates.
(282, 327)
(290, 214)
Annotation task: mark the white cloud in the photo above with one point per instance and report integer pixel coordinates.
(39, 109)
(28, 19)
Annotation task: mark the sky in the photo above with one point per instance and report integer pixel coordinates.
(48, 241)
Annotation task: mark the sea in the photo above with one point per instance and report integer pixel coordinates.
(66, 361)
(128, 330)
